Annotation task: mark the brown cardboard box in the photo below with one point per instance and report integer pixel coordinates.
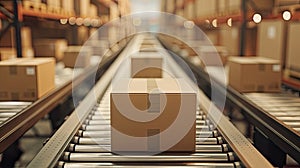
(77, 56)
(213, 55)
(54, 3)
(209, 9)
(254, 74)
(147, 65)
(293, 49)
(153, 115)
(230, 38)
(50, 48)
(272, 40)
(68, 5)
(26, 79)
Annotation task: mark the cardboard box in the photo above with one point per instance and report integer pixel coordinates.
(213, 55)
(77, 56)
(153, 115)
(293, 49)
(230, 38)
(272, 40)
(147, 65)
(68, 5)
(50, 48)
(26, 79)
(54, 3)
(254, 74)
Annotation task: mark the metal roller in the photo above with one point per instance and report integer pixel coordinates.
(105, 148)
(108, 127)
(62, 164)
(293, 119)
(6, 115)
(109, 157)
(199, 134)
(286, 113)
(106, 140)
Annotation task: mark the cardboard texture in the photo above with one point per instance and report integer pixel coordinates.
(153, 115)
(26, 79)
(147, 65)
(50, 48)
(293, 49)
(254, 74)
(271, 41)
(77, 56)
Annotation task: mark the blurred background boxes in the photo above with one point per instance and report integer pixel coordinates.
(50, 48)
(77, 56)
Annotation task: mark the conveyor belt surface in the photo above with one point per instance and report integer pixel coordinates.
(87, 144)
(283, 106)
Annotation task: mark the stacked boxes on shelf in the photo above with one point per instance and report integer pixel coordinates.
(50, 48)
(9, 41)
(293, 50)
(77, 56)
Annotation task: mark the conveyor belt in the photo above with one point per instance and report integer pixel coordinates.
(284, 107)
(84, 139)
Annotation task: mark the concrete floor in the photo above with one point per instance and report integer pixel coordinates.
(33, 140)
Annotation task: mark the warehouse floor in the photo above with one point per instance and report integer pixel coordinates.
(33, 141)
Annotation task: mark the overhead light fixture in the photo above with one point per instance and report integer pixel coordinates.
(214, 23)
(79, 21)
(63, 21)
(87, 22)
(257, 18)
(229, 22)
(286, 15)
(188, 24)
(72, 20)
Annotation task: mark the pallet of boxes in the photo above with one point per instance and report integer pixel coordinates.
(152, 113)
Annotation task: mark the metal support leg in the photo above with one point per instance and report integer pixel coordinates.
(17, 29)
(243, 27)
(272, 152)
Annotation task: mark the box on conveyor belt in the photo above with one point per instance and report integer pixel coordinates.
(254, 74)
(77, 56)
(26, 79)
(50, 48)
(152, 115)
(147, 65)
